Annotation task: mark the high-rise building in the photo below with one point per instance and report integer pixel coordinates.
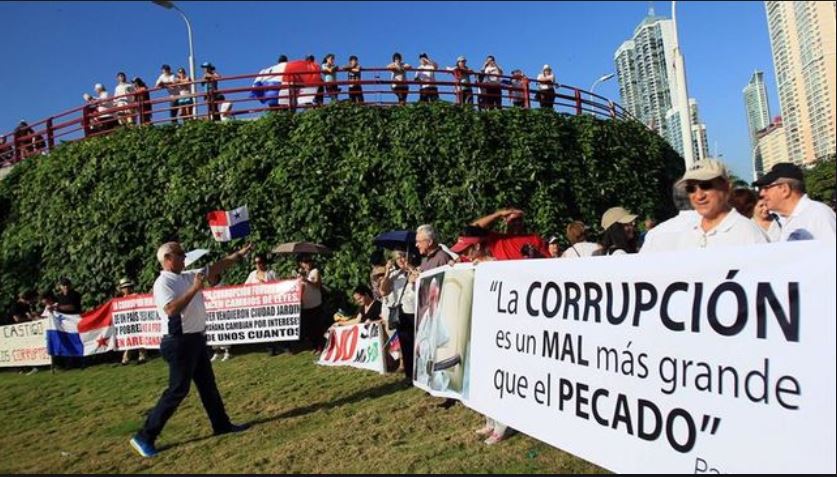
(648, 86)
(756, 105)
(700, 142)
(772, 145)
(802, 37)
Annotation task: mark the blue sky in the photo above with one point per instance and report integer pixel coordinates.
(52, 52)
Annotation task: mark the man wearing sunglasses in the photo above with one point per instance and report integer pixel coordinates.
(783, 190)
(718, 225)
(179, 300)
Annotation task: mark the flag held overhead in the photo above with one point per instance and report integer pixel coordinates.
(228, 225)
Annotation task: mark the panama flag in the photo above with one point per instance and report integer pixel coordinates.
(228, 225)
(80, 335)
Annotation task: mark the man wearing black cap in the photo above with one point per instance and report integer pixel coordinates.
(210, 84)
(783, 190)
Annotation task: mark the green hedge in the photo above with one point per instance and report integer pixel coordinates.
(98, 209)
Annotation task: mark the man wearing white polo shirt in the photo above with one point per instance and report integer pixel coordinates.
(178, 297)
(783, 190)
(719, 225)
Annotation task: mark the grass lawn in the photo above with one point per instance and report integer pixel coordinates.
(306, 418)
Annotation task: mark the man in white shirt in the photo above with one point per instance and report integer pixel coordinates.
(783, 190)
(718, 225)
(122, 94)
(426, 75)
(179, 300)
(167, 80)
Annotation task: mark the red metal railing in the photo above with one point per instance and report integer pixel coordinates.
(239, 98)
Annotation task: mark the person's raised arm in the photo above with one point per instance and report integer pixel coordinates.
(485, 222)
(217, 268)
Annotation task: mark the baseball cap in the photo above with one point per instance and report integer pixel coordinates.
(616, 214)
(470, 235)
(546, 67)
(125, 282)
(782, 170)
(460, 58)
(98, 86)
(207, 65)
(553, 239)
(705, 170)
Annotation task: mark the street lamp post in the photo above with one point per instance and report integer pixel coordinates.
(168, 6)
(601, 80)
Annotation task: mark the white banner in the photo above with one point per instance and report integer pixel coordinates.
(707, 361)
(23, 344)
(238, 314)
(136, 322)
(443, 329)
(255, 313)
(360, 345)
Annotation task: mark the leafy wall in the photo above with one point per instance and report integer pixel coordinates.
(98, 209)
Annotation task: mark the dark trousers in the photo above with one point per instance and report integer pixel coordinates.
(406, 336)
(356, 93)
(188, 359)
(401, 92)
(428, 94)
(311, 326)
(546, 97)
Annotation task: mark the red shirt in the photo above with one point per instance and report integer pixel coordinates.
(507, 247)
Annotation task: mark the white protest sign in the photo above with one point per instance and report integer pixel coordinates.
(24, 344)
(359, 345)
(253, 313)
(705, 361)
(136, 322)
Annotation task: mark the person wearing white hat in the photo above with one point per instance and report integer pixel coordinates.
(462, 75)
(104, 105)
(126, 288)
(619, 235)
(546, 87)
(719, 225)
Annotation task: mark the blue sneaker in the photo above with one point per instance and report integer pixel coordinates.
(233, 428)
(145, 449)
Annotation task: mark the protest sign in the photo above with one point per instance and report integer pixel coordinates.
(253, 313)
(359, 345)
(23, 344)
(443, 330)
(136, 322)
(704, 361)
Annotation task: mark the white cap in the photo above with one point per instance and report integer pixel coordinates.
(705, 170)
(546, 67)
(98, 86)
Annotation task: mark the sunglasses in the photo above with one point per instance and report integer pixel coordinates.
(702, 185)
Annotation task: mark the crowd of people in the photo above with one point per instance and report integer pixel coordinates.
(131, 103)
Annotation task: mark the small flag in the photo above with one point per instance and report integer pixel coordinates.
(228, 225)
(81, 335)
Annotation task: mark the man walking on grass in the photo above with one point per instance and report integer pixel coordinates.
(179, 300)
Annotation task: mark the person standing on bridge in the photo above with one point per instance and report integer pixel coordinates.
(179, 300)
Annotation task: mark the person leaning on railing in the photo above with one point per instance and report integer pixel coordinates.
(122, 96)
(353, 70)
(210, 84)
(329, 70)
(462, 76)
(426, 76)
(143, 100)
(398, 72)
(546, 87)
(184, 91)
(169, 81)
(491, 78)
